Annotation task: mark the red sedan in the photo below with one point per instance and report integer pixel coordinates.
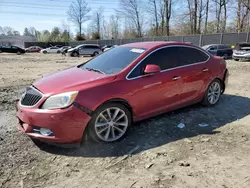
(111, 91)
(33, 49)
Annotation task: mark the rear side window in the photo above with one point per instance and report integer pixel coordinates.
(213, 48)
(190, 56)
(91, 47)
(165, 58)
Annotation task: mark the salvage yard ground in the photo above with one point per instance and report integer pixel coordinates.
(156, 152)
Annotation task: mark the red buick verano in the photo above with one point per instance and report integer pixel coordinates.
(123, 85)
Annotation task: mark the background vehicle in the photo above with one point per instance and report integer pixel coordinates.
(65, 48)
(12, 49)
(85, 49)
(221, 50)
(33, 49)
(241, 51)
(52, 49)
(107, 47)
(118, 87)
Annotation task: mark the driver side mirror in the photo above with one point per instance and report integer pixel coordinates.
(152, 69)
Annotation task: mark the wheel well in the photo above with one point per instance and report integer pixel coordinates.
(222, 84)
(121, 101)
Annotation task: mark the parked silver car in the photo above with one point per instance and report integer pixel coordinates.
(85, 49)
(242, 51)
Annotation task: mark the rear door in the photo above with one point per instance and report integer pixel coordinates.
(161, 91)
(194, 73)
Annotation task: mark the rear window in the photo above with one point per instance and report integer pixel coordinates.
(114, 60)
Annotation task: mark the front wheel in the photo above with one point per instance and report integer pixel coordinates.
(0, 51)
(109, 123)
(45, 52)
(18, 53)
(212, 94)
(236, 59)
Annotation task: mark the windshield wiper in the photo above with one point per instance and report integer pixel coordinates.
(95, 70)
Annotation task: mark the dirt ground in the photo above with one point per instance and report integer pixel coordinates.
(156, 153)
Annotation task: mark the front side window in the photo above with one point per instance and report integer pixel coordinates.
(165, 58)
(190, 56)
(115, 60)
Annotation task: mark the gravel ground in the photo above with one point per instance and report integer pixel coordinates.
(156, 153)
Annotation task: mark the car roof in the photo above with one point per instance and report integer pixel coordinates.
(155, 44)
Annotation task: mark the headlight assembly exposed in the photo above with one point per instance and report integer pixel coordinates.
(61, 100)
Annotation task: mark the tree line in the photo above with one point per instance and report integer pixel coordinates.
(140, 18)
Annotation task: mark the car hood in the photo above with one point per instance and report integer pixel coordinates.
(72, 79)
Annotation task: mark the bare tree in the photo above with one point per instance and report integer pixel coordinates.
(206, 18)
(132, 11)
(97, 21)
(154, 11)
(78, 13)
(221, 7)
(114, 26)
(168, 13)
(242, 14)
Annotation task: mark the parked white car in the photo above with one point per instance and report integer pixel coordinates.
(52, 49)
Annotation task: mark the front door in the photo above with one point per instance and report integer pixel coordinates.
(160, 92)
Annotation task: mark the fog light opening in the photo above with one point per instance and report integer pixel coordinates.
(45, 132)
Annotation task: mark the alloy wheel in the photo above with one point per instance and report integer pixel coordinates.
(111, 124)
(214, 92)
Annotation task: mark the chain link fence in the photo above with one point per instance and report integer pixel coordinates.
(199, 40)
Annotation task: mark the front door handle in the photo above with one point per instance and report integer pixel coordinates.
(176, 77)
(205, 70)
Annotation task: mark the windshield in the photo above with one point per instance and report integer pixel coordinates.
(114, 60)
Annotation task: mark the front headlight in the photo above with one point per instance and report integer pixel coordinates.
(61, 100)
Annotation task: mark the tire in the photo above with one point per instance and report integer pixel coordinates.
(58, 52)
(105, 128)
(75, 54)
(95, 54)
(0, 51)
(236, 59)
(225, 56)
(18, 53)
(213, 93)
(45, 52)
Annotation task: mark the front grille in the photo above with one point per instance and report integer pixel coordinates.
(31, 97)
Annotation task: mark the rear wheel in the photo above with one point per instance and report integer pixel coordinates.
(225, 56)
(45, 52)
(75, 54)
(95, 54)
(236, 59)
(18, 53)
(109, 123)
(58, 52)
(212, 94)
(0, 51)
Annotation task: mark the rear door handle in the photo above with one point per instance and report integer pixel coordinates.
(176, 77)
(205, 70)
